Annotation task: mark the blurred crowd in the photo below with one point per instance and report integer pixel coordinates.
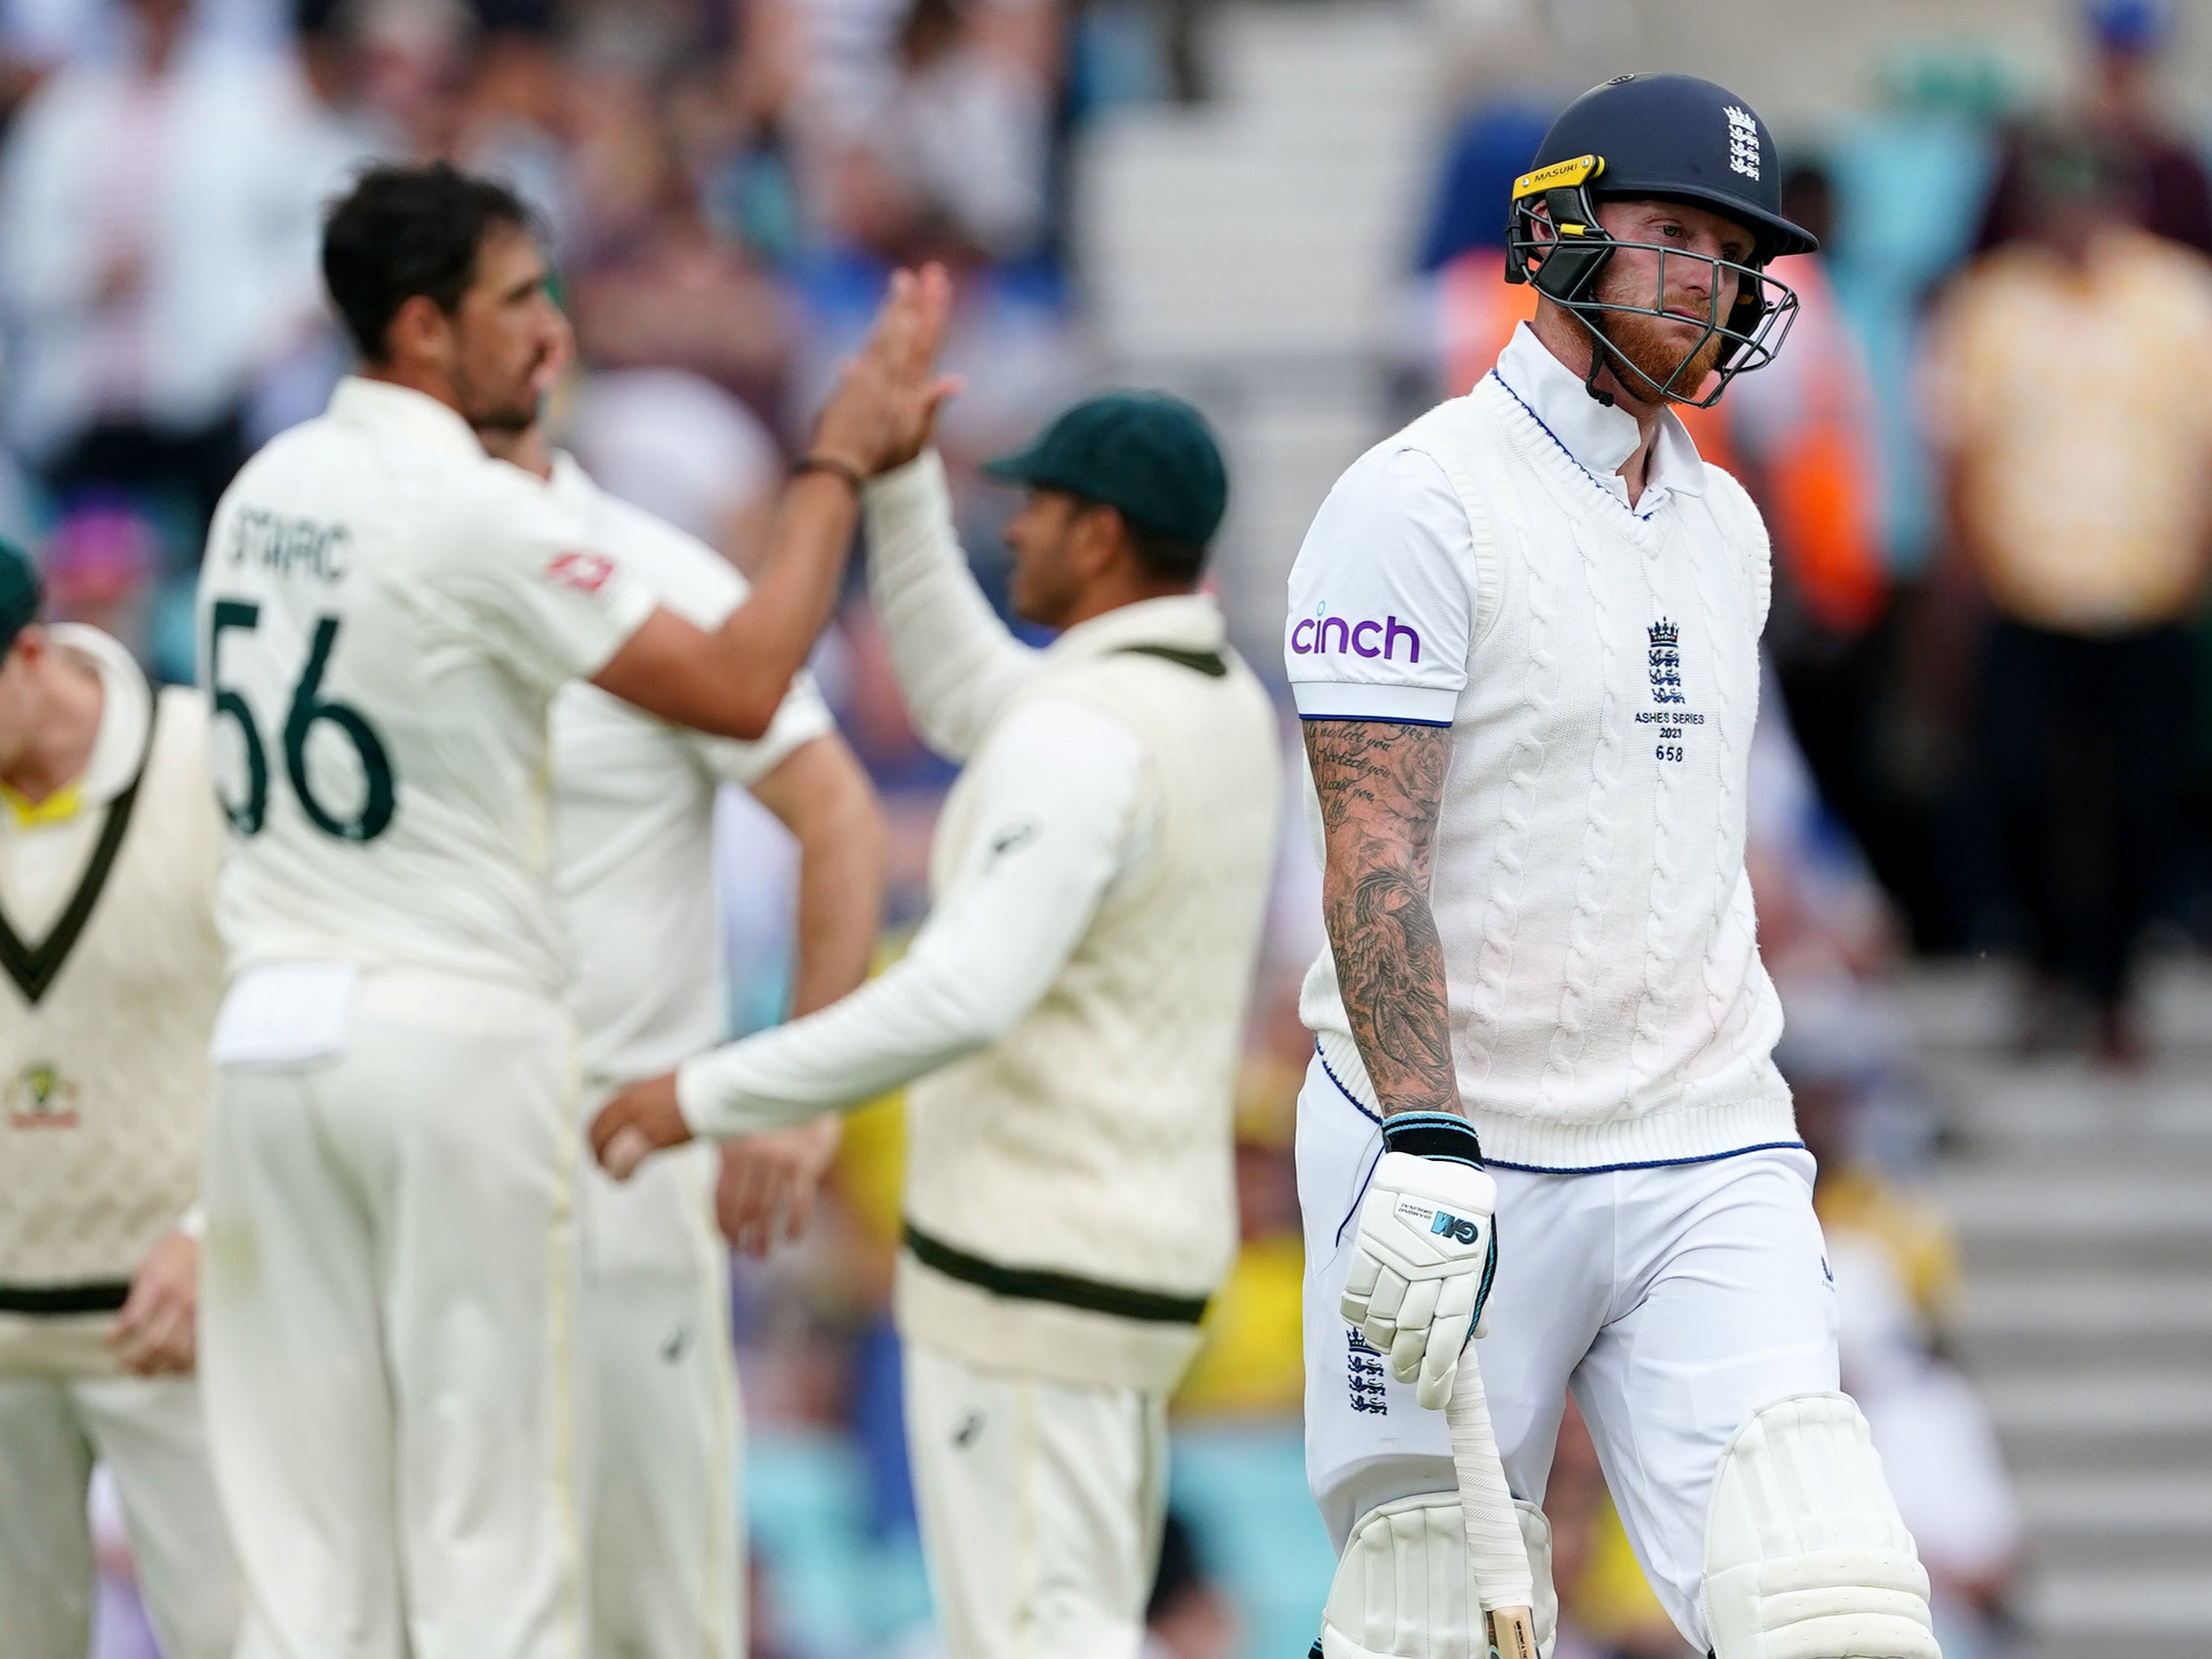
(1985, 458)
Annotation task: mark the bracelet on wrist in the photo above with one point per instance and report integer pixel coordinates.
(851, 476)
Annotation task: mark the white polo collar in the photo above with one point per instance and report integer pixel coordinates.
(383, 406)
(1598, 437)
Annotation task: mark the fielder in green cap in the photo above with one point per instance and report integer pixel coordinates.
(1126, 491)
(1069, 1017)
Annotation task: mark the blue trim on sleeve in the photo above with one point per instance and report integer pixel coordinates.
(1383, 719)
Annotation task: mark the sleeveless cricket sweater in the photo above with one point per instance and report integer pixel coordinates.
(1070, 1193)
(1608, 1006)
(105, 1012)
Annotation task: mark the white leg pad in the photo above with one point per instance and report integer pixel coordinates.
(1806, 1555)
(1404, 1589)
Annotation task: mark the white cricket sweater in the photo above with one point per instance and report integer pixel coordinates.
(1598, 666)
(1076, 998)
(113, 970)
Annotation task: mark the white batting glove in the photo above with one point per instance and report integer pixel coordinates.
(1427, 1250)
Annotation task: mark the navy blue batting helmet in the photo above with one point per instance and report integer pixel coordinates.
(1669, 138)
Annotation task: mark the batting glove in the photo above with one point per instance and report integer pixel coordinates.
(1427, 1250)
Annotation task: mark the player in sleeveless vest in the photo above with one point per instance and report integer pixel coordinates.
(1070, 1015)
(109, 844)
(1543, 1111)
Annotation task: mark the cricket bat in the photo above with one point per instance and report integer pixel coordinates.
(1493, 1530)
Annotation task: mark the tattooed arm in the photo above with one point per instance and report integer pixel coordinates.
(1380, 782)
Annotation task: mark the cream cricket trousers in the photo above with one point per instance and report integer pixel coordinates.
(1041, 1503)
(664, 1544)
(387, 1302)
(147, 1430)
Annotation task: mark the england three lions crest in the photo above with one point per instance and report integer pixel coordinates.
(1666, 662)
(1744, 141)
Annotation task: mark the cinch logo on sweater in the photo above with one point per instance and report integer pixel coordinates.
(1329, 635)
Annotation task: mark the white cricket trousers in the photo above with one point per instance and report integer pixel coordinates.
(387, 1304)
(664, 1544)
(147, 1430)
(1040, 1505)
(1674, 1301)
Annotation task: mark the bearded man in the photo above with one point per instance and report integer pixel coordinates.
(1523, 635)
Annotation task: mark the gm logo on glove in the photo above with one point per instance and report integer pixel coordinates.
(1421, 1265)
(1457, 1228)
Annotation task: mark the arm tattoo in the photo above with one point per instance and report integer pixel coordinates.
(1380, 784)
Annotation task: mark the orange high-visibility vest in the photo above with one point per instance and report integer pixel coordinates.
(1822, 485)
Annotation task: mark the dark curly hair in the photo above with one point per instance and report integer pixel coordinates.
(404, 230)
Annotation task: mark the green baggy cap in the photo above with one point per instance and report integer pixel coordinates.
(1148, 455)
(21, 592)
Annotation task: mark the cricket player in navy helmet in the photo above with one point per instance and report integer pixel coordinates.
(1523, 636)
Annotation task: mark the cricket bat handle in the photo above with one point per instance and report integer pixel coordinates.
(1500, 1559)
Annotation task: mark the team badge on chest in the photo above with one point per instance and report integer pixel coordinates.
(40, 1097)
(1669, 716)
(1666, 662)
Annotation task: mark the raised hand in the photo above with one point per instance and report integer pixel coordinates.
(887, 397)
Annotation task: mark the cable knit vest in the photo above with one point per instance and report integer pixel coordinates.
(1085, 1157)
(1608, 1005)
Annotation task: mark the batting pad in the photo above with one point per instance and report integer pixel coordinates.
(1404, 1589)
(1806, 1555)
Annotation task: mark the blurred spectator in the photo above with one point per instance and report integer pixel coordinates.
(1856, 1199)
(685, 450)
(952, 162)
(100, 566)
(2126, 39)
(157, 245)
(1464, 311)
(1894, 1260)
(1804, 435)
(655, 284)
(522, 92)
(1938, 1445)
(391, 72)
(2069, 393)
(1188, 1616)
